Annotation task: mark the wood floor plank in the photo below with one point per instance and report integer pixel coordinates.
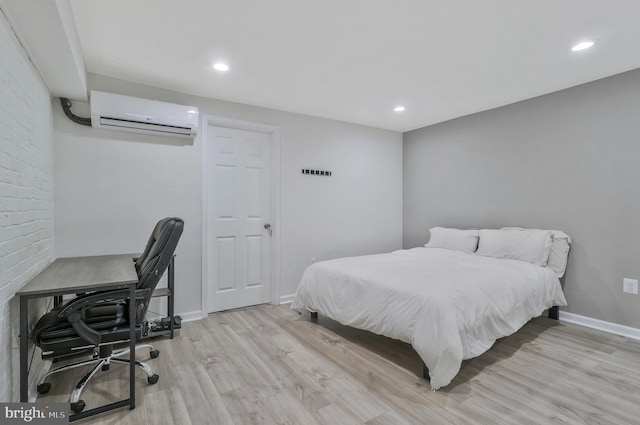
(167, 407)
(200, 395)
(329, 414)
(270, 365)
(285, 408)
(388, 418)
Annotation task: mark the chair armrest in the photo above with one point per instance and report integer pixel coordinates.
(94, 300)
(73, 311)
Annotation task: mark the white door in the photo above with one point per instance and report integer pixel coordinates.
(239, 218)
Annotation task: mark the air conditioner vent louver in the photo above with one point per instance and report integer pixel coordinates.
(126, 113)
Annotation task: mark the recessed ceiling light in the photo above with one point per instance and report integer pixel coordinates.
(582, 46)
(221, 66)
(192, 111)
(399, 108)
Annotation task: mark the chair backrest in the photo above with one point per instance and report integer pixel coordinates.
(155, 259)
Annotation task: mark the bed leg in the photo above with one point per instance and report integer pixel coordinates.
(554, 312)
(314, 316)
(425, 372)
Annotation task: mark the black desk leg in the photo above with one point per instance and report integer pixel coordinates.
(132, 347)
(24, 350)
(170, 299)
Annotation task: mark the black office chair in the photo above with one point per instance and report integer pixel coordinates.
(97, 321)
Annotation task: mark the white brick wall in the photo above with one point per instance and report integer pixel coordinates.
(26, 193)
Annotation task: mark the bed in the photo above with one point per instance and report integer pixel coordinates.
(450, 300)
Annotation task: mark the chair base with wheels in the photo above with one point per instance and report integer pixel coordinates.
(101, 360)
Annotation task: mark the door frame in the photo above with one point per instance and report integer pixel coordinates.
(274, 135)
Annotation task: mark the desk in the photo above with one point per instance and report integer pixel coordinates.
(69, 276)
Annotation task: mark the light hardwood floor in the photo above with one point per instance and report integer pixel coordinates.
(268, 365)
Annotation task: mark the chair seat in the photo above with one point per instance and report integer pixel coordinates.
(54, 334)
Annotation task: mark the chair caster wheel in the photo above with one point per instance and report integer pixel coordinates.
(105, 367)
(44, 388)
(152, 379)
(154, 354)
(78, 407)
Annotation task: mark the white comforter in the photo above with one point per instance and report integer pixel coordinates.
(448, 305)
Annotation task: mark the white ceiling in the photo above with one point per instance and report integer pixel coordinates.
(354, 60)
(47, 32)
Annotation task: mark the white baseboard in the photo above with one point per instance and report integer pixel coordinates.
(190, 316)
(577, 319)
(600, 325)
(286, 299)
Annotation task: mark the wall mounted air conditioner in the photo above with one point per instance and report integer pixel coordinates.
(126, 113)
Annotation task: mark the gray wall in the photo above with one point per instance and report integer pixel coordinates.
(568, 160)
(111, 187)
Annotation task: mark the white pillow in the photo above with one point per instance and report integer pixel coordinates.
(559, 252)
(532, 246)
(459, 240)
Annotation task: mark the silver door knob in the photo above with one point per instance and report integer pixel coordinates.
(268, 227)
